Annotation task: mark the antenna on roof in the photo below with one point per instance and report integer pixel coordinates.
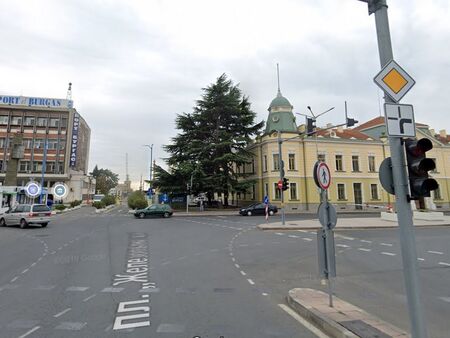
(278, 79)
(69, 92)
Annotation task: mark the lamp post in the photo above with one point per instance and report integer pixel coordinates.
(151, 160)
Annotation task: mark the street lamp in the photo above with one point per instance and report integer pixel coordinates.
(151, 160)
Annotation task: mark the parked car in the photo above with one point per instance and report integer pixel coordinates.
(163, 210)
(258, 209)
(26, 214)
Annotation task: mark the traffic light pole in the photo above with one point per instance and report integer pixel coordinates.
(280, 165)
(400, 176)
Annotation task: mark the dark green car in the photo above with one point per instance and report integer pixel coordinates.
(163, 210)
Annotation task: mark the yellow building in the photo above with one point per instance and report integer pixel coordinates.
(353, 156)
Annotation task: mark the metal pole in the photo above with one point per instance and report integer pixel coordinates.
(404, 212)
(324, 194)
(151, 162)
(44, 167)
(280, 162)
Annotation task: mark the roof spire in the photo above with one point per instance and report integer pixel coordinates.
(278, 78)
(69, 92)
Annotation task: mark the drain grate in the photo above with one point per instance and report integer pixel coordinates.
(363, 330)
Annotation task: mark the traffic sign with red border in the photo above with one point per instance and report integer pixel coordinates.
(322, 175)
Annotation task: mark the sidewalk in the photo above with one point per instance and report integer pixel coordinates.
(347, 223)
(343, 320)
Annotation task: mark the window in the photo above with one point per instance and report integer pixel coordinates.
(64, 122)
(293, 191)
(2, 142)
(277, 191)
(60, 169)
(24, 166)
(27, 143)
(16, 120)
(4, 119)
(39, 143)
(341, 191)
(1, 165)
(321, 157)
(54, 122)
(265, 163)
(372, 163)
(291, 161)
(437, 194)
(355, 162)
(29, 121)
(50, 167)
(52, 144)
(266, 189)
(37, 166)
(276, 162)
(374, 191)
(42, 121)
(339, 163)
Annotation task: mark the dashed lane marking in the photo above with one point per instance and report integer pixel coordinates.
(293, 236)
(74, 326)
(237, 265)
(445, 299)
(62, 312)
(364, 249)
(30, 331)
(366, 241)
(444, 263)
(165, 263)
(420, 259)
(386, 244)
(342, 245)
(388, 253)
(110, 289)
(90, 297)
(243, 273)
(14, 279)
(279, 234)
(307, 239)
(77, 288)
(250, 281)
(348, 238)
(25, 271)
(435, 252)
(265, 294)
(302, 321)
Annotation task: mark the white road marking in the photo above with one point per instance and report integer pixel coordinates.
(386, 244)
(420, 259)
(165, 263)
(237, 265)
(388, 253)
(445, 299)
(66, 244)
(279, 234)
(243, 273)
(251, 282)
(62, 312)
(307, 239)
(303, 321)
(110, 289)
(30, 331)
(33, 264)
(444, 264)
(77, 288)
(302, 231)
(348, 238)
(24, 271)
(342, 245)
(292, 236)
(435, 252)
(365, 241)
(233, 259)
(90, 297)
(181, 258)
(265, 294)
(364, 249)
(14, 279)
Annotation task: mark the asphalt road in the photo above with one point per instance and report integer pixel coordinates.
(110, 275)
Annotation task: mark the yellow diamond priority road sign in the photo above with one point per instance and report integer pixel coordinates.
(394, 80)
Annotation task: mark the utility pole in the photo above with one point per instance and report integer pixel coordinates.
(400, 179)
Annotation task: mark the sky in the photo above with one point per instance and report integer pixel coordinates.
(135, 64)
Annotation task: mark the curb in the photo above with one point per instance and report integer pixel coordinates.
(309, 303)
(338, 228)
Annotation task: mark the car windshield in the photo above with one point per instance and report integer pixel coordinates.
(39, 208)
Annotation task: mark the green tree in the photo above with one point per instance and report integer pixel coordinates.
(105, 179)
(137, 200)
(212, 140)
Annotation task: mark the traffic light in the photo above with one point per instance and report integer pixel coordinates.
(310, 125)
(285, 184)
(350, 122)
(418, 166)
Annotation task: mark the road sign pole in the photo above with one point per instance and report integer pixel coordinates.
(280, 163)
(404, 212)
(327, 229)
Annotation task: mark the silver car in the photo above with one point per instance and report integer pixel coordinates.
(25, 214)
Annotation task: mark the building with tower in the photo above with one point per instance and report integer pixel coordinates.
(353, 156)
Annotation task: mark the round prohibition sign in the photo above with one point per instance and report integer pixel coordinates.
(323, 176)
(32, 189)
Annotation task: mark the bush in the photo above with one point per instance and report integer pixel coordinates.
(98, 205)
(109, 200)
(60, 207)
(137, 200)
(75, 203)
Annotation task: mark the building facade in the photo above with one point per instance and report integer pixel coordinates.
(55, 136)
(353, 156)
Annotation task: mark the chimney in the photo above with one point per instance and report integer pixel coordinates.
(443, 133)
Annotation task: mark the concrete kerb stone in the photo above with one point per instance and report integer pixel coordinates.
(309, 302)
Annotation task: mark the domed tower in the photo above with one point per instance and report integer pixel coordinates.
(281, 117)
